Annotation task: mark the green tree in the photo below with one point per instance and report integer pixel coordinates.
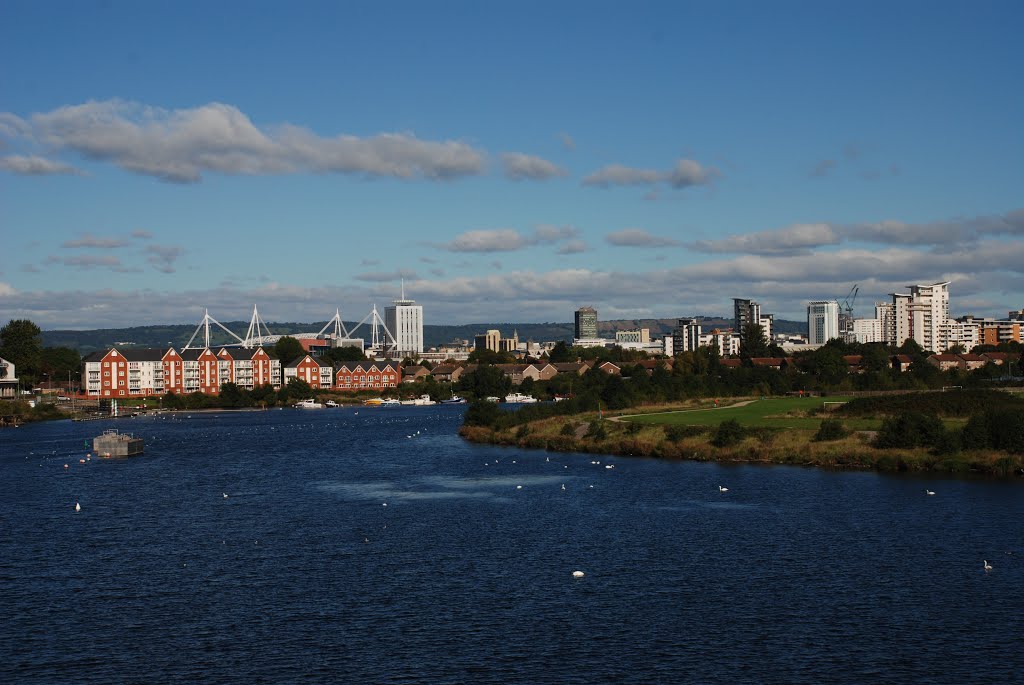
(755, 342)
(341, 354)
(21, 343)
(482, 413)
(729, 433)
(288, 349)
(61, 363)
(560, 353)
(486, 381)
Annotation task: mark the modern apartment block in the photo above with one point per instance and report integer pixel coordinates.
(586, 324)
(822, 321)
(687, 335)
(491, 340)
(405, 321)
(922, 315)
(155, 371)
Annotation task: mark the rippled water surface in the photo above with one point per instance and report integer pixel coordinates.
(303, 574)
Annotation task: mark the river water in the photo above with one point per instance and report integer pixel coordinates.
(303, 574)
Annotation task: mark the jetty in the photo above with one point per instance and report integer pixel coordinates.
(114, 444)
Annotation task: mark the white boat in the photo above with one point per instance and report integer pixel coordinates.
(390, 402)
(455, 399)
(308, 404)
(423, 401)
(331, 403)
(492, 399)
(519, 398)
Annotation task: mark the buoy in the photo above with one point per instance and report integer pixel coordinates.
(81, 461)
(578, 574)
(78, 507)
(66, 466)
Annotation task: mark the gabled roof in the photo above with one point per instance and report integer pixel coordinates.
(731, 363)
(767, 361)
(945, 358)
(366, 365)
(973, 358)
(96, 356)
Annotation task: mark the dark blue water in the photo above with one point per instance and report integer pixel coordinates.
(302, 573)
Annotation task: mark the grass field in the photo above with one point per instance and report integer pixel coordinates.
(788, 412)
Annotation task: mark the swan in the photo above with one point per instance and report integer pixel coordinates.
(563, 486)
(987, 566)
(929, 492)
(78, 507)
(721, 489)
(225, 495)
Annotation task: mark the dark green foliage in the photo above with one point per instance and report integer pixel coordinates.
(288, 349)
(831, 429)
(909, 430)
(596, 431)
(560, 353)
(21, 342)
(340, 354)
(482, 413)
(729, 433)
(952, 403)
(632, 427)
(568, 429)
(485, 381)
(677, 433)
(522, 432)
(996, 428)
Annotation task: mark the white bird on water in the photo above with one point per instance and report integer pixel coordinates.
(78, 507)
(225, 495)
(929, 492)
(578, 574)
(987, 566)
(721, 489)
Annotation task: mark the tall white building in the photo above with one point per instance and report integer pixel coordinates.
(405, 321)
(922, 315)
(822, 321)
(868, 331)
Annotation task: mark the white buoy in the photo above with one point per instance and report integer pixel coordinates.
(987, 566)
(578, 574)
(721, 489)
(78, 507)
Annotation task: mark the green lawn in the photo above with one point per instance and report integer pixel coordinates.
(770, 413)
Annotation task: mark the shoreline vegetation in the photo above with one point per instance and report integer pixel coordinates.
(954, 433)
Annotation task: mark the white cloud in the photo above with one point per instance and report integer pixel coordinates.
(519, 167)
(572, 247)
(508, 239)
(637, 237)
(33, 165)
(163, 257)
(180, 145)
(685, 173)
(795, 238)
(90, 241)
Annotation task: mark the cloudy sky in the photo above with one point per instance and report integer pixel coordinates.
(510, 162)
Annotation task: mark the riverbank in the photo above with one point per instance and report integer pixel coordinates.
(791, 444)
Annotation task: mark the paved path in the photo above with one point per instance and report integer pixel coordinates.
(681, 411)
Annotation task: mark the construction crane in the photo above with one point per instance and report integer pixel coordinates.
(846, 314)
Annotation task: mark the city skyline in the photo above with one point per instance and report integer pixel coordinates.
(510, 163)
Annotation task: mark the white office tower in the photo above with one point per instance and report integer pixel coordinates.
(922, 315)
(405, 321)
(822, 321)
(885, 312)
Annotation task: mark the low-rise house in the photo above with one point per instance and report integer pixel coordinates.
(946, 362)
(652, 364)
(901, 362)
(973, 361)
(611, 368)
(776, 363)
(360, 375)
(999, 358)
(578, 368)
(8, 380)
(318, 374)
(414, 372)
(447, 373)
(854, 363)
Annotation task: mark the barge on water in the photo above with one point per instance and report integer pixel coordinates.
(114, 444)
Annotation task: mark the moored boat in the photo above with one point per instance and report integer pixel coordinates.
(308, 404)
(519, 398)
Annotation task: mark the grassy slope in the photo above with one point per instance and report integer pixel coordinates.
(772, 413)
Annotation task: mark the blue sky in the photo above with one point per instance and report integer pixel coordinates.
(511, 161)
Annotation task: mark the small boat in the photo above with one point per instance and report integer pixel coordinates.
(308, 404)
(331, 404)
(455, 399)
(519, 398)
(373, 402)
(492, 399)
(390, 402)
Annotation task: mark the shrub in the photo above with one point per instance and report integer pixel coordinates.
(632, 427)
(522, 432)
(596, 431)
(568, 429)
(830, 429)
(909, 430)
(677, 433)
(482, 413)
(729, 433)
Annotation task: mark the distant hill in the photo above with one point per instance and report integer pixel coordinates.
(433, 335)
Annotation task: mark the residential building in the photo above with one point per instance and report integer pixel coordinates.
(686, 337)
(361, 375)
(885, 314)
(318, 374)
(8, 380)
(922, 315)
(868, 331)
(404, 319)
(586, 323)
(745, 312)
(822, 321)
